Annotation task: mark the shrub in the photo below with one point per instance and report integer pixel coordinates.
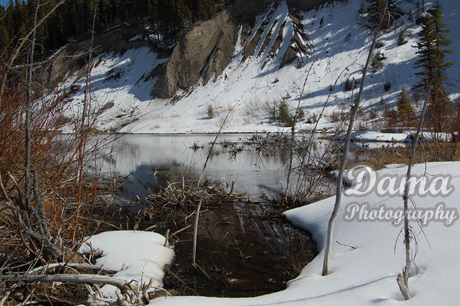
(406, 112)
(379, 44)
(348, 37)
(284, 115)
(390, 117)
(211, 112)
(349, 85)
(377, 62)
(402, 38)
(253, 110)
(300, 115)
(312, 119)
(387, 86)
(337, 116)
(271, 110)
(373, 115)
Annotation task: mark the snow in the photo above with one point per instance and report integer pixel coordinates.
(136, 255)
(378, 136)
(369, 255)
(338, 49)
(366, 136)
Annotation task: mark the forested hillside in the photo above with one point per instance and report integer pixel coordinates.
(75, 18)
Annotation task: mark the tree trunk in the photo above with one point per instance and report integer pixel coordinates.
(343, 162)
(403, 280)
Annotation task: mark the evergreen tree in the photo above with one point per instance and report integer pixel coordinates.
(405, 110)
(4, 40)
(375, 10)
(75, 18)
(432, 64)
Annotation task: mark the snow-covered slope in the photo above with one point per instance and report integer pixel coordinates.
(249, 86)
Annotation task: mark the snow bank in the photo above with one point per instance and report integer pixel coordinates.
(137, 255)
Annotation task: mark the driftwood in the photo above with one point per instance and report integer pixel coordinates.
(72, 278)
(69, 265)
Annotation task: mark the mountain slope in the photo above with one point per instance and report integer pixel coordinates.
(270, 62)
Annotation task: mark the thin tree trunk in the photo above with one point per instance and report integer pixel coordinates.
(83, 128)
(29, 110)
(195, 233)
(403, 280)
(291, 149)
(354, 111)
(86, 101)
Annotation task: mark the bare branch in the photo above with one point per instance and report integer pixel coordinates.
(71, 278)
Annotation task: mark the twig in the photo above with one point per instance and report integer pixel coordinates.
(179, 231)
(69, 265)
(195, 233)
(174, 275)
(346, 245)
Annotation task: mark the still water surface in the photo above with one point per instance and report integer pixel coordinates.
(139, 157)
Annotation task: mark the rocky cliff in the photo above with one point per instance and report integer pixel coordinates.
(200, 55)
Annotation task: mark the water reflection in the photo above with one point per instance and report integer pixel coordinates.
(150, 160)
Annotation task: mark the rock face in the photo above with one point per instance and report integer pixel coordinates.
(201, 54)
(205, 51)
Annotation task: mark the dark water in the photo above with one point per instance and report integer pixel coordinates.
(244, 248)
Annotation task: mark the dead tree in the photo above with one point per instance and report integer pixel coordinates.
(403, 279)
(346, 148)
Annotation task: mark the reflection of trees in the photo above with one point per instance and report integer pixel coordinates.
(147, 178)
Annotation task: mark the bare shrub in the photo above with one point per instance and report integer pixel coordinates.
(253, 110)
(270, 110)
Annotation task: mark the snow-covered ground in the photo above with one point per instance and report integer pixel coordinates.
(366, 255)
(406, 136)
(339, 44)
(136, 255)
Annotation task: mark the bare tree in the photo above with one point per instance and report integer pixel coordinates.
(403, 279)
(28, 108)
(346, 148)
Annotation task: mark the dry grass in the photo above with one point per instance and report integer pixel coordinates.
(426, 152)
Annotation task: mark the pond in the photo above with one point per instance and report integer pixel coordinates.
(138, 157)
(246, 248)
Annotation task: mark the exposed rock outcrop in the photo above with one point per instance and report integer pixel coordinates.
(205, 51)
(200, 54)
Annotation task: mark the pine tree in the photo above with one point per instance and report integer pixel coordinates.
(405, 110)
(375, 10)
(432, 64)
(4, 40)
